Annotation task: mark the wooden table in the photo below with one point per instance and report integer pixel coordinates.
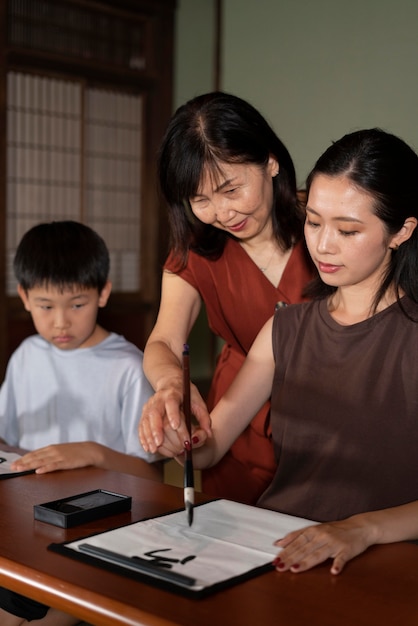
(378, 588)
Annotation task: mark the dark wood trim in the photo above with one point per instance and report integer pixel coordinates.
(3, 96)
(218, 45)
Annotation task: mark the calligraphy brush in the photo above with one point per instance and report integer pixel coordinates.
(188, 462)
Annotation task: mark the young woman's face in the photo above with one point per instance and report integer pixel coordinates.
(239, 200)
(346, 240)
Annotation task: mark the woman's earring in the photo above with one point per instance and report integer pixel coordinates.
(394, 247)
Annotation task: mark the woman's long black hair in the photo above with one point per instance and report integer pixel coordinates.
(204, 133)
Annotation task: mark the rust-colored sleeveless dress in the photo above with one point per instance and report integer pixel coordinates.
(239, 299)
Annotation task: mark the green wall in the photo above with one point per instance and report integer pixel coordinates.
(194, 61)
(315, 69)
(320, 69)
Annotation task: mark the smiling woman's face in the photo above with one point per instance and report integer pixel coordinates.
(239, 200)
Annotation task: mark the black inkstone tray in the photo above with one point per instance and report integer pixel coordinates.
(82, 508)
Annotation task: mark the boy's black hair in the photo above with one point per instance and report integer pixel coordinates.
(62, 254)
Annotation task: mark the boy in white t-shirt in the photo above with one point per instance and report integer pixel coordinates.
(73, 393)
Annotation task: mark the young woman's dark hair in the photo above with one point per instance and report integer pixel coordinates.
(204, 133)
(62, 254)
(385, 167)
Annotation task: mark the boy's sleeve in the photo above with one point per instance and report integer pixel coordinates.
(9, 430)
(135, 397)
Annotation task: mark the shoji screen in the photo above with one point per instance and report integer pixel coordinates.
(111, 178)
(74, 152)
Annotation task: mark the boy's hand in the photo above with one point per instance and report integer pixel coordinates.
(59, 456)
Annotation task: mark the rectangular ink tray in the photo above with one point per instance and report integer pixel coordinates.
(82, 508)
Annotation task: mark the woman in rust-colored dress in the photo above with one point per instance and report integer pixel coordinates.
(236, 246)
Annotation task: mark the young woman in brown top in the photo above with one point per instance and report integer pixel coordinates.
(341, 370)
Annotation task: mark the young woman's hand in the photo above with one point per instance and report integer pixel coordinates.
(339, 541)
(163, 413)
(173, 446)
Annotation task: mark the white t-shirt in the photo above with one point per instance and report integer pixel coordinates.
(88, 394)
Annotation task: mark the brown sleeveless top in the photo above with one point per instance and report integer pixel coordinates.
(344, 412)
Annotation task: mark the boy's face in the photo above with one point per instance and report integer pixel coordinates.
(67, 319)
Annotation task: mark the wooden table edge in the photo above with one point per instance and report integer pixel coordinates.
(78, 601)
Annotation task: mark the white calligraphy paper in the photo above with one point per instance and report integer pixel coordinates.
(226, 540)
